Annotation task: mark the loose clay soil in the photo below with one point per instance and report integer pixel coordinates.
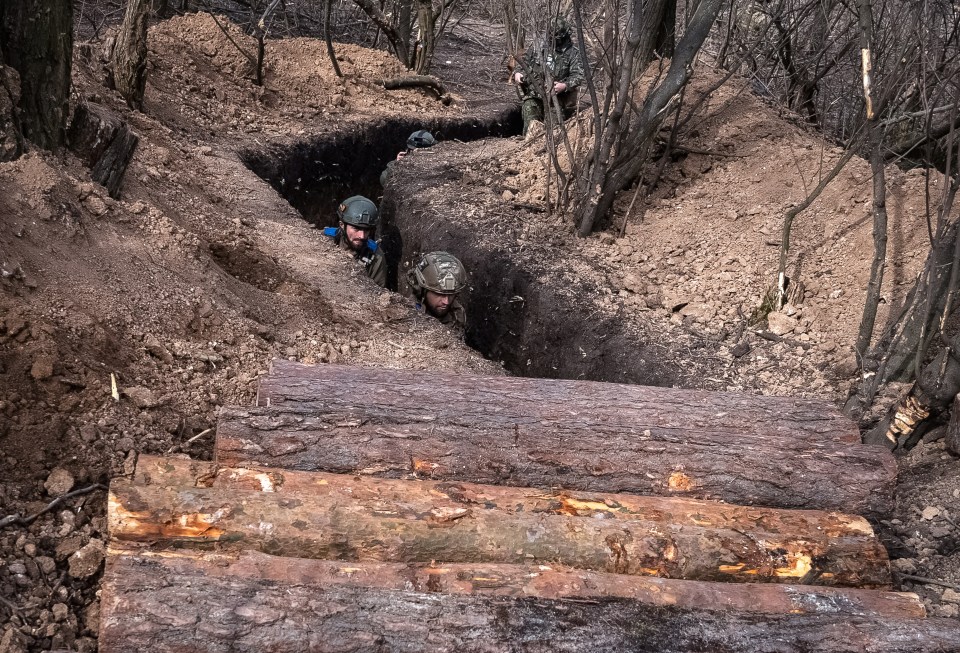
(187, 287)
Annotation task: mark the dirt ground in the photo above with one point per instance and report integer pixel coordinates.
(183, 290)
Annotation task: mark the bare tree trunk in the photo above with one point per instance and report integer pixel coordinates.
(11, 139)
(872, 300)
(398, 35)
(624, 150)
(514, 29)
(425, 44)
(327, 4)
(37, 41)
(666, 40)
(129, 59)
(875, 135)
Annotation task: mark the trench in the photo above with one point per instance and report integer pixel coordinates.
(534, 326)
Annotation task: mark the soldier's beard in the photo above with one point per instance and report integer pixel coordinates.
(434, 307)
(356, 244)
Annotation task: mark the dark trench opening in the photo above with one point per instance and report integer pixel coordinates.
(513, 318)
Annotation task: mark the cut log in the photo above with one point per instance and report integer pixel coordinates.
(516, 581)
(175, 602)
(770, 451)
(329, 516)
(104, 142)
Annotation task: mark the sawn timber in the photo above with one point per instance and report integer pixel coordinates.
(179, 602)
(329, 516)
(577, 435)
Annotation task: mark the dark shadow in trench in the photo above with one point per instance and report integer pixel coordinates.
(533, 329)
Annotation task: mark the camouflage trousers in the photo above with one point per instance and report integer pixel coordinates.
(532, 108)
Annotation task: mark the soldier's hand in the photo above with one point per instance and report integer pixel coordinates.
(518, 77)
(559, 87)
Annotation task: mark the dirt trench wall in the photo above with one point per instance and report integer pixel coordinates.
(534, 327)
(536, 324)
(316, 175)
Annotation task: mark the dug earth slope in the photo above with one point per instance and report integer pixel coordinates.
(184, 289)
(181, 292)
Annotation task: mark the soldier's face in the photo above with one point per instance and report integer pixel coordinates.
(356, 236)
(438, 305)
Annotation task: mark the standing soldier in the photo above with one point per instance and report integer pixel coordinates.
(435, 281)
(358, 220)
(559, 59)
(418, 139)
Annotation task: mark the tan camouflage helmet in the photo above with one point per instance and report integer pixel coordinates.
(438, 272)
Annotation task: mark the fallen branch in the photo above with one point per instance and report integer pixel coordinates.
(419, 81)
(11, 520)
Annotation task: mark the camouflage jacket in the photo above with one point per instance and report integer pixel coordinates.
(564, 66)
(456, 317)
(372, 258)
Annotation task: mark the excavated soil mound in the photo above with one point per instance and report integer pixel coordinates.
(183, 290)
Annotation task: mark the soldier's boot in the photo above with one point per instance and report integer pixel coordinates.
(530, 110)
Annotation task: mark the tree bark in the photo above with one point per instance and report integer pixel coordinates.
(416, 81)
(788, 453)
(618, 166)
(11, 140)
(104, 142)
(37, 41)
(952, 439)
(427, 40)
(130, 54)
(328, 516)
(173, 602)
(401, 46)
(508, 581)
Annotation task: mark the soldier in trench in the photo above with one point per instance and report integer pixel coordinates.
(358, 222)
(417, 140)
(558, 61)
(435, 282)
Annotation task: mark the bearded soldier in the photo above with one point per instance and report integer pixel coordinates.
(435, 281)
(557, 61)
(358, 221)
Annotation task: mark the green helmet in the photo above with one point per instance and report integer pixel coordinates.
(421, 138)
(358, 211)
(560, 29)
(439, 272)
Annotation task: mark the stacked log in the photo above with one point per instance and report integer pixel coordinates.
(577, 435)
(175, 602)
(330, 516)
(374, 510)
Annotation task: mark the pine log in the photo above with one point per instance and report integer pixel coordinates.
(178, 603)
(329, 516)
(517, 581)
(770, 451)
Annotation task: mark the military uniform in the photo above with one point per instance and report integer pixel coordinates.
(443, 274)
(386, 173)
(372, 258)
(564, 64)
(456, 316)
(361, 214)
